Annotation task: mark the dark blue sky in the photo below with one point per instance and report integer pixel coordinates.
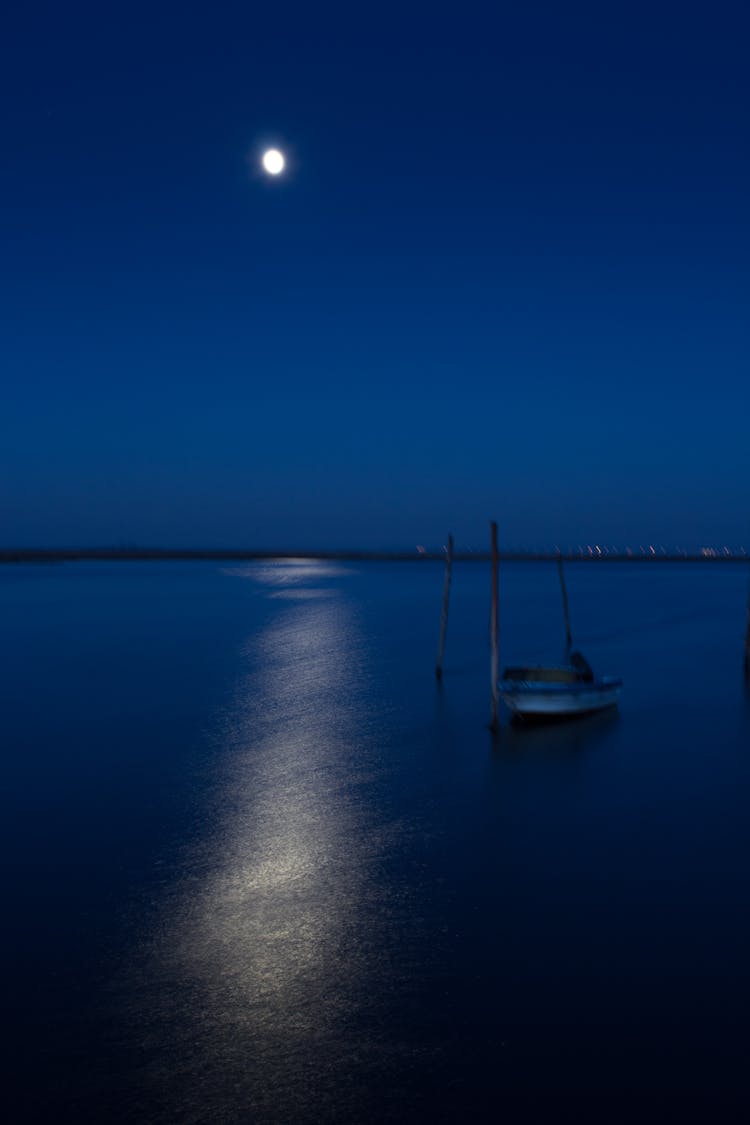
(505, 276)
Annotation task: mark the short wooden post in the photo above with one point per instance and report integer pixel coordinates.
(494, 660)
(564, 592)
(444, 613)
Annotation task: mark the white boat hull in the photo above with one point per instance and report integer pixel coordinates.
(529, 699)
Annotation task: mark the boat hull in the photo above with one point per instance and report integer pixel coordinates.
(529, 699)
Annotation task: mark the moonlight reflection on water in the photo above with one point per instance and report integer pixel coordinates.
(274, 929)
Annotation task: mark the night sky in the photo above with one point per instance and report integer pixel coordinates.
(505, 274)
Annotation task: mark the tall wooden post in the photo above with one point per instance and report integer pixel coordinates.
(564, 592)
(747, 641)
(494, 660)
(444, 613)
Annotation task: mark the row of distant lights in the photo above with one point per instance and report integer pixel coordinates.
(596, 551)
(718, 552)
(707, 552)
(652, 550)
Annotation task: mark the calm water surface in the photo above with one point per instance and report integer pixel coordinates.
(258, 867)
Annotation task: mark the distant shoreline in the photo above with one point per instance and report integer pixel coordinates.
(138, 554)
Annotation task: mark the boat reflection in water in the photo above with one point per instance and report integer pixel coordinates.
(556, 741)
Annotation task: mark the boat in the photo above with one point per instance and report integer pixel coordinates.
(558, 691)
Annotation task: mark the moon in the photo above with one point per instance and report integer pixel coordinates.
(273, 161)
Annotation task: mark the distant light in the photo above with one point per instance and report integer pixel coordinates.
(273, 161)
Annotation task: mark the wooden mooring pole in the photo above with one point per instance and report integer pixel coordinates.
(494, 659)
(747, 641)
(564, 592)
(444, 613)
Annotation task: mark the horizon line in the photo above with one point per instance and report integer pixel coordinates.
(421, 554)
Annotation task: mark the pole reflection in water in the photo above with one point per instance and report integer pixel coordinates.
(269, 938)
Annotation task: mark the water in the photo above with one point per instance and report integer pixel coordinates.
(258, 867)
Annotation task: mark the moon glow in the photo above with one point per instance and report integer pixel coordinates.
(273, 161)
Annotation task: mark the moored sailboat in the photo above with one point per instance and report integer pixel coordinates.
(558, 691)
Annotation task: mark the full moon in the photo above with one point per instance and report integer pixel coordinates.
(273, 161)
